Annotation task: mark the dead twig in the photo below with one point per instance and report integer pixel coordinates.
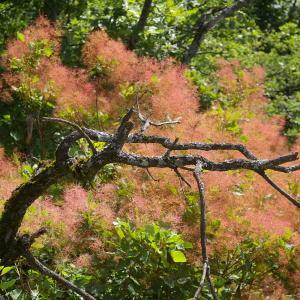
(279, 189)
(146, 122)
(44, 270)
(150, 175)
(77, 127)
(181, 177)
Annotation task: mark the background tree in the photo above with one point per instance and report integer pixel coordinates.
(140, 26)
(206, 22)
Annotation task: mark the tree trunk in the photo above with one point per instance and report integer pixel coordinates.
(204, 26)
(17, 205)
(140, 26)
(194, 46)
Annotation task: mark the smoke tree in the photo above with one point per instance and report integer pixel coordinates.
(37, 81)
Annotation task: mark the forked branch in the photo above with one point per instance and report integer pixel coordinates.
(17, 205)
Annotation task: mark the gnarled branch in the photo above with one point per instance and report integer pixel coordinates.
(17, 205)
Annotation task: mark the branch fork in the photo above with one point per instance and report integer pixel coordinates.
(12, 246)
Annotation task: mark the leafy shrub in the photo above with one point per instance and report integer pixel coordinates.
(151, 264)
(242, 270)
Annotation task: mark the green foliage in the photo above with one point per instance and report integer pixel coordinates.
(248, 35)
(242, 269)
(37, 50)
(282, 62)
(27, 170)
(278, 51)
(151, 265)
(13, 116)
(14, 16)
(49, 289)
(86, 118)
(107, 173)
(191, 214)
(27, 100)
(102, 69)
(271, 14)
(150, 262)
(125, 190)
(5, 282)
(130, 91)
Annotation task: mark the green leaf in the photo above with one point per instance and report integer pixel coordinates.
(37, 246)
(48, 51)
(120, 233)
(188, 245)
(178, 256)
(50, 104)
(6, 119)
(5, 270)
(7, 284)
(20, 36)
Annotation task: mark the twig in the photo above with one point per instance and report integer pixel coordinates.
(44, 270)
(150, 175)
(200, 184)
(201, 284)
(77, 127)
(169, 122)
(181, 177)
(146, 122)
(279, 189)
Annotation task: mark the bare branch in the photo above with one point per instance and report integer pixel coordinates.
(205, 261)
(77, 127)
(37, 234)
(206, 22)
(146, 122)
(140, 25)
(201, 284)
(150, 175)
(180, 161)
(211, 285)
(169, 122)
(181, 177)
(44, 270)
(279, 189)
(121, 135)
(17, 205)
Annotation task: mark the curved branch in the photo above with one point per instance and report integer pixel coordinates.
(44, 270)
(77, 127)
(201, 284)
(17, 205)
(206, 22)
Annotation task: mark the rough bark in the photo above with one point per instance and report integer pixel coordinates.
(17, 205)
(12, 245)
